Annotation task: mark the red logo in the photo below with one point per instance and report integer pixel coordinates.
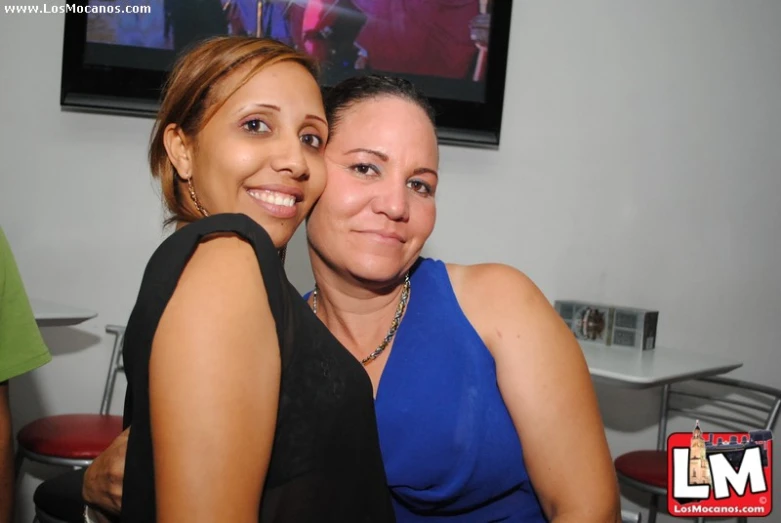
(719, 474)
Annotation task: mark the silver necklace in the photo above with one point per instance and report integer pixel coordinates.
(400, 308)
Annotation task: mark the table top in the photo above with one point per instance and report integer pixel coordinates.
(639, 369)
(49, 314)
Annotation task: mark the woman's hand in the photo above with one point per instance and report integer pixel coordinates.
(102, 487)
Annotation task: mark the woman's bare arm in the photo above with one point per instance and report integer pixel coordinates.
(545, 383)
(214, 388)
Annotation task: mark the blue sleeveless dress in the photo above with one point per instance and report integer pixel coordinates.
(451, 451)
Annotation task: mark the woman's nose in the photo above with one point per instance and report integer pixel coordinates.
(392, 201)
(290, 158)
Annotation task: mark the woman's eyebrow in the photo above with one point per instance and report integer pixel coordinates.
(424, 170)
(261, 105)
(318, 118)
(279, 109)
(378, 154)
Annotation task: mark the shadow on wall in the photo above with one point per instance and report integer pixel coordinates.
(27, 403)
(67, 340)
(628, 410)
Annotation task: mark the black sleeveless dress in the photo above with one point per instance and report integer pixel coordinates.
(326, 464)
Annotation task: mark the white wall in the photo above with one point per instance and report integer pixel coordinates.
(640, 164)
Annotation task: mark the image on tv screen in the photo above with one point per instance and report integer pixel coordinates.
(440, 44)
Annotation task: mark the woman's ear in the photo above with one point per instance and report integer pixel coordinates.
(179, 150)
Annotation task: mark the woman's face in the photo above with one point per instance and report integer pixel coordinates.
(261, 154)
(378, 208)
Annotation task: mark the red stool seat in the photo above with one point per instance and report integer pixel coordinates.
(71, 436)
(645, 466)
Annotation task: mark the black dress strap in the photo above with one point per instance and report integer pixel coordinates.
(167, 264)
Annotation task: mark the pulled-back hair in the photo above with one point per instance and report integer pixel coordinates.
(357, 89)
(191, 97)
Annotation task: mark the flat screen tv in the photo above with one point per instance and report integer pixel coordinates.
(117, 53)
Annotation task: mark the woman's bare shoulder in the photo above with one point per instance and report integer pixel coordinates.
(489, 281)
(222, 280)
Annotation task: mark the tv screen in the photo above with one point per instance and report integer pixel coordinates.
(117, 53)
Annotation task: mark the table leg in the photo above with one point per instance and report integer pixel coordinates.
(661, 438)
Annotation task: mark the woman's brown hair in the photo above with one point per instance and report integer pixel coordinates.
(190, 99)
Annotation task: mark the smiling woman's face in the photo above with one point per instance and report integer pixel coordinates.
(261, 153)
(378, 209)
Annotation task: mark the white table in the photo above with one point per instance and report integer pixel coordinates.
(48, 314)
(642, 369)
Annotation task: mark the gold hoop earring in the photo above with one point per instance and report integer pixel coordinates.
(282, 254)
(194, 197)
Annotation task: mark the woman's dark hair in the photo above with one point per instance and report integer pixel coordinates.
(357, 89)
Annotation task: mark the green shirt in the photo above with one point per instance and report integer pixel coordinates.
(22, 348)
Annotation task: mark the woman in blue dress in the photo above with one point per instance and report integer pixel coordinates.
(484, 403)
(485, 407)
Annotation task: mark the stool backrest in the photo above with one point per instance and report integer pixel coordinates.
(727, 403)
(115, 366)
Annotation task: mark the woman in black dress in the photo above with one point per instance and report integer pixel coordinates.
(243, 406)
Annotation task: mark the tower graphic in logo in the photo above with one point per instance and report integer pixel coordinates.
(699, 470)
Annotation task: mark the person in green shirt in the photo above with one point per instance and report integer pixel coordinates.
(22, 349)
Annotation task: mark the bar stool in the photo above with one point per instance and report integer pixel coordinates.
(74, 440)
(58, 499)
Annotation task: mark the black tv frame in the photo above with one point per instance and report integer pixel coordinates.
(120, 90)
